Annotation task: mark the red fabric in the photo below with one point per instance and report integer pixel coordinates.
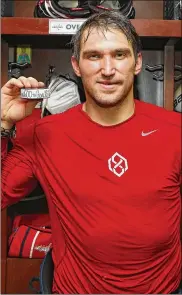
(110, 233)
(23, 126)
(32, 232)
(30, 242)
(18, 180)
(4, 147)
(36, 220)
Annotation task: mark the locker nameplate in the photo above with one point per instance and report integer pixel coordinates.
(64, 26)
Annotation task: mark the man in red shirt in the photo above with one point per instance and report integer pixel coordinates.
(110, 169)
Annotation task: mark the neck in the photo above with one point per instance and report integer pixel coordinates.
(111, 115)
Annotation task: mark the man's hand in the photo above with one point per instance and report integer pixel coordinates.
(13, 107)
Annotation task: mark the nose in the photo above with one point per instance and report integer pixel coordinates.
(108, 66)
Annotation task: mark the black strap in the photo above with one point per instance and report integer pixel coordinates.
(23, 241)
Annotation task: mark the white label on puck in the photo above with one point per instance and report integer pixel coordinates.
(65, 26)
(38, 93)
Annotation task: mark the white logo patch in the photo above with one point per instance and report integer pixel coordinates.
(118, 166)
(148, 133)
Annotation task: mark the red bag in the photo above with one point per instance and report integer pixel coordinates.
(37, 220)
(31, 236)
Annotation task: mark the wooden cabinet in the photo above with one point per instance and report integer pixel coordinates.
(16, 273)
(156, 34)
(19, 273)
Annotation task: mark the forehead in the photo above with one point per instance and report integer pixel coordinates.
(96, 39)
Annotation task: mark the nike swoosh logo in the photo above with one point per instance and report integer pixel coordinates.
(148, 133)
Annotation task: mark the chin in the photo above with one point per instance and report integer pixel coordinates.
(103, 103)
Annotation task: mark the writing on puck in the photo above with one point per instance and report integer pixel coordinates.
(36, 93)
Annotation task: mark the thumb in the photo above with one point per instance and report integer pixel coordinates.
(30, 105)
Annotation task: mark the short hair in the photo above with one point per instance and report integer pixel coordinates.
(104, 21)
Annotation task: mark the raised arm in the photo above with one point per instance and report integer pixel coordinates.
(18, 177)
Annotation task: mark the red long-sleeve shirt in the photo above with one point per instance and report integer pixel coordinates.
(113, 195)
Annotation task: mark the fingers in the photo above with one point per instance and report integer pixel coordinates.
(23, 82)
(30, 82)
(30, 105)
(41, 84)
(13, 82)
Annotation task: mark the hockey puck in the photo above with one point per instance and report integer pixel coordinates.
(35, 93)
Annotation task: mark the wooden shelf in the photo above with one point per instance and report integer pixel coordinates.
(154, 33)
(40, 26)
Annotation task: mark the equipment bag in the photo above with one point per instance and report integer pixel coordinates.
(62, 9)
(123, 6)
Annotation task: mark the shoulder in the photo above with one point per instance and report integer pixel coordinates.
(160, 115)
(61, 121)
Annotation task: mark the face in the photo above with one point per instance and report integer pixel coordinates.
(107, 67)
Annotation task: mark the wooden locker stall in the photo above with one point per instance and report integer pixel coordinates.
(23, 28)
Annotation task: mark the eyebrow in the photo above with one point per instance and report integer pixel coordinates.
(90, 51)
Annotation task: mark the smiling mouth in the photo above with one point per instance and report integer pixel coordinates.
(108, 85)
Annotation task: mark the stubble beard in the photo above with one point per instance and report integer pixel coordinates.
(109, 100)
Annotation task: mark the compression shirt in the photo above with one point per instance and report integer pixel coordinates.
(113, 194)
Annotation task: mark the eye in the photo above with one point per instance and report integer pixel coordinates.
(120, 55)
(94, 56)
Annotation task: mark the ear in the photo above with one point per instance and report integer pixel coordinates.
(138, 65)
(75, 66)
